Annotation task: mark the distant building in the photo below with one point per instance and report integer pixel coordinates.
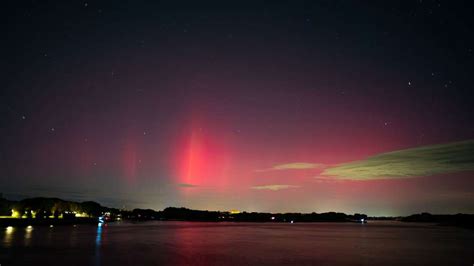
(234, 211)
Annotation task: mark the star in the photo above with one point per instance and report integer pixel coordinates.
(409, 83)
(23, 117)
(52, 129)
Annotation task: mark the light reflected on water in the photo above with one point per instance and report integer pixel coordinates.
(73, 236)
(98, 237)
(49, 235)
(98, 241)
(8, 237)
(28, 235)
(186, 243)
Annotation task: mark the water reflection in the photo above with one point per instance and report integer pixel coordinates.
(73, 236)
(98, 242)
(28, 234)
(185, 243)
(98, 237)
(49, 235)
(190, 241)
(8, 237)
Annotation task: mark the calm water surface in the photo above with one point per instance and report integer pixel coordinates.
(195, 243)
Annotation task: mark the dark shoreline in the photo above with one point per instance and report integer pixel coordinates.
(37, 211)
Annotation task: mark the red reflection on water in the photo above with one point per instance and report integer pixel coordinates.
(191, 244)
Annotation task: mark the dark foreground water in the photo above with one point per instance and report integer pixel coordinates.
(195, 243)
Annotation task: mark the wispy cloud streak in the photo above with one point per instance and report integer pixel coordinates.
(421, 161)
(290, 166)
(274, 187)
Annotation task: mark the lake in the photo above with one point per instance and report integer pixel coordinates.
(199, 243)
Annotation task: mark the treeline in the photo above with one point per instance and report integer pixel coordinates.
(55, 208)
(44, 208)
(460, 220)
(185, 214)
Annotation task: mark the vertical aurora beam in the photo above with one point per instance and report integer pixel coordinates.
(203, 156)
(129, 160)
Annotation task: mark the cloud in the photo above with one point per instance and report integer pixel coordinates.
(420, 161)
(274, 187)
(289, 166)
(186, 185)
(326, 179)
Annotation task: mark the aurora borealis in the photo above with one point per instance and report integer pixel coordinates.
(309, 106)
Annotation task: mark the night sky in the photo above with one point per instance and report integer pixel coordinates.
(363, 106)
